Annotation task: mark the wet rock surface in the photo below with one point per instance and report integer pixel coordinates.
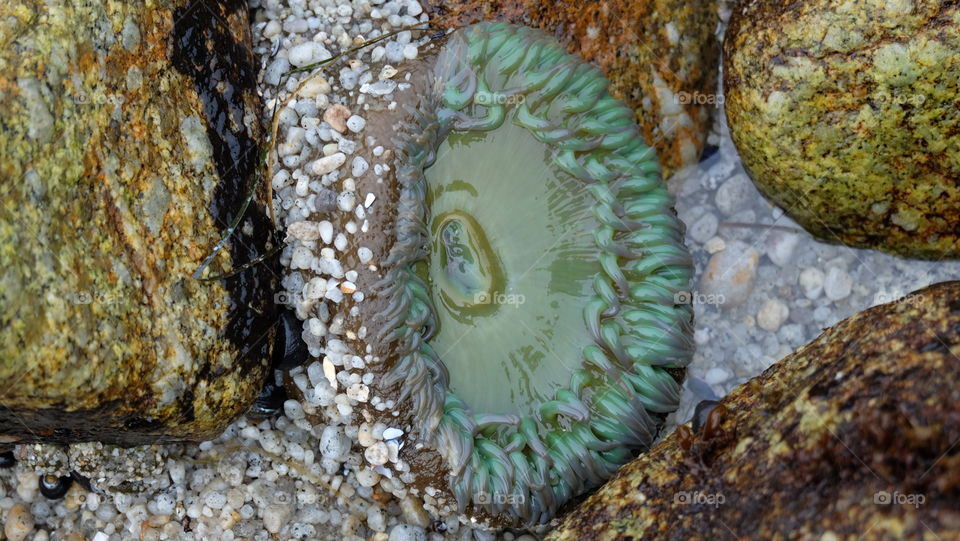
(851, 436)
(129, 136)
(844, 114)
(660, 57)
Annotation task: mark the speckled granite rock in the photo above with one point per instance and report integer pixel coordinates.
(845, 114)
(660, 57)
(851, 437)
(128, 132)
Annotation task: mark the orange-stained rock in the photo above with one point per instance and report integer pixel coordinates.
(660, 56)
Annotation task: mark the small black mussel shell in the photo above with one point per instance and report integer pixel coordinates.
(289, 350)
(54, 487)
(270, 401)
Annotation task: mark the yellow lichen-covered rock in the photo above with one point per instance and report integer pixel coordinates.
(660, 57)
(128, 134)
(845, 114)
(853, 436)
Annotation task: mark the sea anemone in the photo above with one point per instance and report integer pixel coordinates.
(529, 298)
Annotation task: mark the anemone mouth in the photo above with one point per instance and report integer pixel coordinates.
(520, 175)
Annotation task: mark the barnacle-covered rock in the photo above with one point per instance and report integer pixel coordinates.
(519, 307)
(660, 57)
(129, 137)
(845, 114)
(853, 436)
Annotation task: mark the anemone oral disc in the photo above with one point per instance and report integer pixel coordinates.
(533, 247)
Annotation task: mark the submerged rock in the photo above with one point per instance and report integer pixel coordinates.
(128, 140)
(852, 435)
(660, 57)
(845, 114)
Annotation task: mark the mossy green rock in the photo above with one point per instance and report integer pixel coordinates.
(845, 114)
(853, 436)
(116, 184)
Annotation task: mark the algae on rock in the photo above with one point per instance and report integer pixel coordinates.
(128, 135)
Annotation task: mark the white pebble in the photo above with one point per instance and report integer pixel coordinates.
(341, 242)
(334, 443)
(376, 519)
(334, 294)
(215, 500)
(346, 201)
(275, 71)
(772, 315)
(704, 228)
(358, 392)
(356, 123)
(330, 372)
(325, 229)
(271, 29)
(781, 246)
(293, 410)
(837, 284)
(164, 503)
(407, 532)
(394, 51)
(379, 88)
(716, 376)
(327, 164)
(303, 230)
(302, 258)
(377, 454)
(811, 281)
(276, 515)
(307, 53)
(729, 276)
(331, 267)
(359, 167)
(315, 288)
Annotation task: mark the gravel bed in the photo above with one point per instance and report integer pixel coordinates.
(322, 471)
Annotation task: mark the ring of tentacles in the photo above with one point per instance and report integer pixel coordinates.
(534, 274)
